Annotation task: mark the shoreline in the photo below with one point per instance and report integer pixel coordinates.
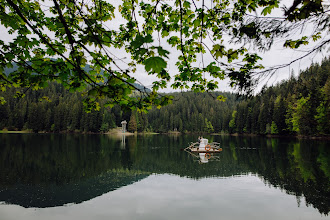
(300, 137)
(114, 131)
(117, 131)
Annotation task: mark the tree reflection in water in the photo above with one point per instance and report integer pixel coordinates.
(45, 170)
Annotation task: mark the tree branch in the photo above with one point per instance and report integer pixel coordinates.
(181, 39)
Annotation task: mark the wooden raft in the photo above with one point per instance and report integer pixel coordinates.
(194, 147)
(212, 150)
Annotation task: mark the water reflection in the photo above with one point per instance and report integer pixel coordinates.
(203, 158)
(42, 170)
(123, 142)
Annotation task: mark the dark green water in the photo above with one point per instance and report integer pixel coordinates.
(45, 176)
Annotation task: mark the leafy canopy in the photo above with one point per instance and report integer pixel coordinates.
(75, 43)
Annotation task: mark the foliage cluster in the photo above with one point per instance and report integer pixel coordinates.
(55, 40)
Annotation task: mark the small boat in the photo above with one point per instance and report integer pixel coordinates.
(204, 147)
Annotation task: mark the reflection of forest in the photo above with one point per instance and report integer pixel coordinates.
(53, 165)
(50, 195)
(52, 170)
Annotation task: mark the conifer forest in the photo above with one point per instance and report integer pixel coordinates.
(297, 106)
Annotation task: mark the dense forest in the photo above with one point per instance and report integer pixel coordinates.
(55, 109)
(299, 105)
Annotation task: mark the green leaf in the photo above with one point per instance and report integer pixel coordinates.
(165, 33)
(162, 52)
(221, 98)
(218, 51)
(186, 4)
(92, 92)
(2, 100)
(45, 98)
(141, 51)
(197, 22)
(316, 36)
(140, 40)
(266, 11)
(19, 95)
(156, 64)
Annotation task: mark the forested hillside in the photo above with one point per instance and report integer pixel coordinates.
(300, 105)
(55, 109)
(194, 112)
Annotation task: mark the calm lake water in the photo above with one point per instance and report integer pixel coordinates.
(77, 177)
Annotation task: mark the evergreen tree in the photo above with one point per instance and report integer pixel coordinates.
(35, 118)
(132, 125)
(274, 129)
(279, 114)
(232, 123)
(323, 110)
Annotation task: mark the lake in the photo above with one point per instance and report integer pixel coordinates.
(71, 176)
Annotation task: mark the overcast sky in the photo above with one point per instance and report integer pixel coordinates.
(276, 56)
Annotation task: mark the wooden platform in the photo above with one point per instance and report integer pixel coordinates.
(212, 150)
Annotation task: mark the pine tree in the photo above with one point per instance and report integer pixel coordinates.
(232, 122)
(132, 126)
(279, 114)
(274, 129)
(35, 118)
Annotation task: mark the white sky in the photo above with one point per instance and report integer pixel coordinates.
(276, 56)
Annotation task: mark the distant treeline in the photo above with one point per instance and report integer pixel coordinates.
(55, 109)
(300, 105)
